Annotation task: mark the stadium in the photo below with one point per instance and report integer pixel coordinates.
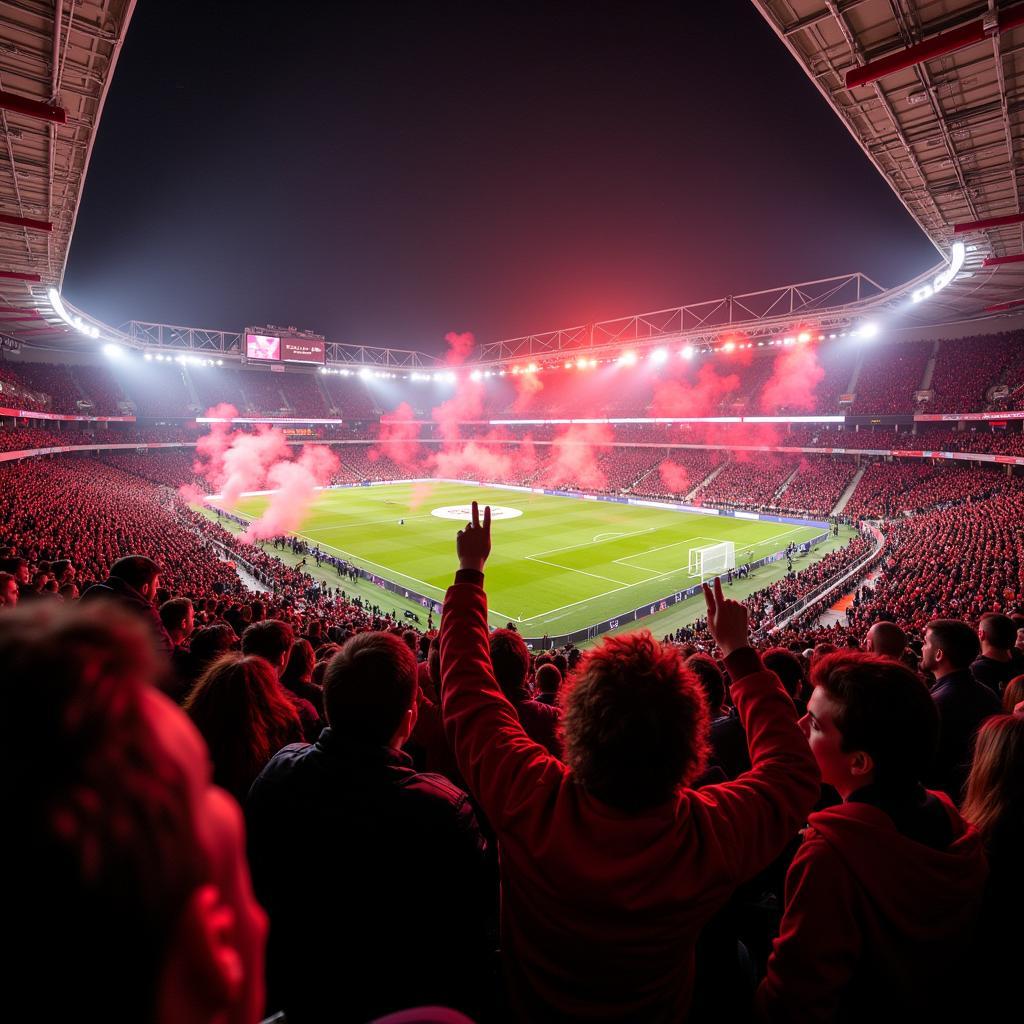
(802, 503)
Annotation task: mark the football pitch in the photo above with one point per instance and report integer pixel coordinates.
(557, 565)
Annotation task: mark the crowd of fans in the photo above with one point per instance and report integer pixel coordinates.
(713, 827)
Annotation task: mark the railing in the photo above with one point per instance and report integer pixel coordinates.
(823, 590)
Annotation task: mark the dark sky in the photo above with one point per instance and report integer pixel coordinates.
(385, 172)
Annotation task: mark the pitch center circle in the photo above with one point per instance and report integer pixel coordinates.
(464, 513)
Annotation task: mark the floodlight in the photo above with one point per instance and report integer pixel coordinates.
(868, 330)
(687, 352)
(659, 355)
(581, 363)
(475, 375)
(728, 346)
(803, 337)
(628, 358)
(112, 351)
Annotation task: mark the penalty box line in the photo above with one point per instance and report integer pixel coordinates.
(658, 576)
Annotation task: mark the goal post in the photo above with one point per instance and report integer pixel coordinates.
(712, 559)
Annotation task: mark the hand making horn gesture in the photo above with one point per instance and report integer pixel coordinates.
(473, 544)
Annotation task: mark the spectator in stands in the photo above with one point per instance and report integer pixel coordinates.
(206, 645)
(133, 583)
(548, 681)
(885, 889)
(997, 665)
(8, 590)
(712, 682)
(511, 660)
(887, 640)
(245, 718)
(790, 670)
(297, 676)
(610, 864)
(400, 919)
(129, 890)
(1013, 695)
(994, 804)
(963, 703)
(272, 640)
(178, 617)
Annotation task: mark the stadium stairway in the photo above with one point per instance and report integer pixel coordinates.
(848, 493)
(785, 485)
(711, 476)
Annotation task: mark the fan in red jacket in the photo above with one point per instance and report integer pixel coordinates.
(884, 892)
(610, 865)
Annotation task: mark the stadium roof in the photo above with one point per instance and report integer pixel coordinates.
(933, 92)
(56, 63)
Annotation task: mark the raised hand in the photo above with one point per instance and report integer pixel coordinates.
(727, 619)
(473, 544)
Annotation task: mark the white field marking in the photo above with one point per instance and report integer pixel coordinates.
(582, 572)
(591, 543)
(630, 586)
(374, 522)
(650, 551)
(601, 537)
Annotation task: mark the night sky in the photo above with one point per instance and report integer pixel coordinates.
(386, 172)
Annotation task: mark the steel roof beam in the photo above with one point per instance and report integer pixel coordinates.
(937, 46)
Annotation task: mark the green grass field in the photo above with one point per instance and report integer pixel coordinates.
(560, 565)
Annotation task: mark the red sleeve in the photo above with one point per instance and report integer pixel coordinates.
(502, 766)
(759, 812)
(819, 943)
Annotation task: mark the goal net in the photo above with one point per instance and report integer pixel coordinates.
(713, 559)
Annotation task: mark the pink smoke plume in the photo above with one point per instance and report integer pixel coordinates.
(684, 397)
(421, 492)
(484, 459)
(397, 437)
(528, 386)
(466, 404)
(795, 376)
(191, 494)
(294, 486)
(674, 477)
(574, 453)
(460, 346)
(210, 447)
(248, 460)
(235, 461)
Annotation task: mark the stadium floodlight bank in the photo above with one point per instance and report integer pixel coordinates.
(712, 560)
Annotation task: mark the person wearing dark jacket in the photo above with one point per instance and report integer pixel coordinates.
(133, 583)
(885, 890)
(962, 702)
(999, 661)
(373, 875)
(511, 660)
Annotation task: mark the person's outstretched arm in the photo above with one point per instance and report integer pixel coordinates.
(756, 814)
(502, 766)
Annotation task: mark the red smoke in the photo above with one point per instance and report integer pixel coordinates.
(460, 347)
(794, 378)
(294, 485)
(574, 454)
(398, 437)
(693, 398)
(527, 385)
(234, 462)
(466, 404)
(674, 477)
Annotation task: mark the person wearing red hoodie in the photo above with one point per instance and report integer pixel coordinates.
(610, 864)
(885, 889)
